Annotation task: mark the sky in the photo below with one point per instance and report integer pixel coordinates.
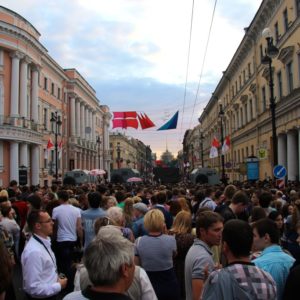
(134, 53)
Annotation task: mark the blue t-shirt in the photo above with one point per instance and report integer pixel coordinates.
(88, 218)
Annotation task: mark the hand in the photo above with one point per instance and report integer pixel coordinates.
(63, 282)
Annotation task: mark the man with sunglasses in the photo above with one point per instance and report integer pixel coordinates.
(40, 277)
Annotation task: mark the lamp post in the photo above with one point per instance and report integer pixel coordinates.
(55, 119)
(98, 141)
(118, 153)
(201, 144)
(221, 116)
(271, 52)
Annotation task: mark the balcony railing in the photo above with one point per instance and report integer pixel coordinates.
(18, 122)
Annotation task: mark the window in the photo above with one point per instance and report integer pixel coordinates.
(45, 118)
(45, 83)
(279, 84)
(298, 8)
(252, 150)
(240, 81)
(232, 91)
(249, 70)
(244, 76)
(236, 87)
(251, 109)
(276, 31)
(285, 20)
(289, 74)
(52, 88)
(58, 93)
(241, 116)
(246, 114)
(263, 97)
(243, 154)
(239, 156)
(261, 52)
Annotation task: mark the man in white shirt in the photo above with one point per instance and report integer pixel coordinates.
(40, 276)
(67, 225)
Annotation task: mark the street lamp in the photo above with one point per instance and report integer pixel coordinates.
(201, 144)
(221, 116)
(98, 141)
(271, 52)
(55, 119)
(118, 153)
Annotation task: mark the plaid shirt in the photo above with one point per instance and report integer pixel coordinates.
(240, 281)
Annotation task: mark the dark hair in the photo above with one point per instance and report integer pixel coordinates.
(267, 226)
(94, 199)
(13, 183)
(239, 237)
(258, 213)
(6, 268)
(35, 201)
(199, 196)
(208, 191)
(161, 197)
(63, 195)
(265, 199)
(229, 191)
(274, 214)
(33, 218)
(206, 219)
(175, 208)
(240, 197)
(3, 199)
(5, 210)
(120, 196)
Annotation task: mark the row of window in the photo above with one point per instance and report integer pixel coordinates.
(54, 92)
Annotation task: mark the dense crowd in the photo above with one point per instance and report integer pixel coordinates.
(183, 241)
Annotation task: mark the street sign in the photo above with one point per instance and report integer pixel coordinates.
(279, 171)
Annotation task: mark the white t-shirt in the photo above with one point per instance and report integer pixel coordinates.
(66, 216)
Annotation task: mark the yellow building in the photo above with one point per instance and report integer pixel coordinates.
(127, 152)
(36, 94)
(244, 96)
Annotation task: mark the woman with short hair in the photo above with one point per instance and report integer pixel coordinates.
(155, 252)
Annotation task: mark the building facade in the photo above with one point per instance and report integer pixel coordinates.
(33, 90)
(127, 152)
(244, 95)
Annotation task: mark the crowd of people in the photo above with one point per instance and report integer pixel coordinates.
(166, 242)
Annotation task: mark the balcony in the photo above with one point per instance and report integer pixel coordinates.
(20, 129)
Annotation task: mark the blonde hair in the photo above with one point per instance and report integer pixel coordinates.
(154, 220)
(182, 223)
(136, 199)
(115, 213)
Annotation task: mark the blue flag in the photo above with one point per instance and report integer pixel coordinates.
(171, 124)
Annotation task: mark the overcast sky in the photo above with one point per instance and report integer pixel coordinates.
(134, 52)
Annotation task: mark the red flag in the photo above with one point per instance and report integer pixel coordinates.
(50, 145)
(125, 114)
(215, 143)
(214, 148)
(142, 121)
(119, 123)
(148, 121)
(132, 123)
(226, 145)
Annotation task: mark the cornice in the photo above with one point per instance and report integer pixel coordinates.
(19, 33)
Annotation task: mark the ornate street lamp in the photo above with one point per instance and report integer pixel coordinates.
(56, 120)
(98, 141)
(270, 53)
(221, 116)
(119, 155)
(201, 144)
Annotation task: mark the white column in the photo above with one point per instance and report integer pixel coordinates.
(249, 112)
(292, 155)
(93, 126)
(82, 117)
(14, 161)
(282, 158)
(23, 88)
(14, 86)
(24, 155)
(86, 121)
(35, 95)
(72, 115)
(35, 164)
(78, 125)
